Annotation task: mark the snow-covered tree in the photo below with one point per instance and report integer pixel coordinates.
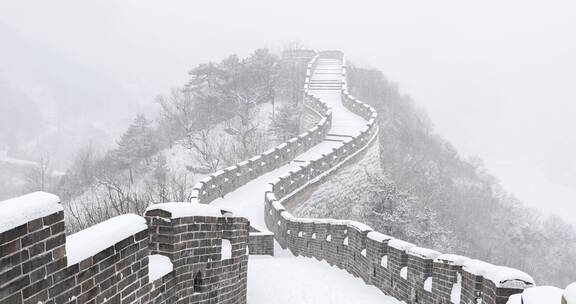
(286, 122)
(136, 144)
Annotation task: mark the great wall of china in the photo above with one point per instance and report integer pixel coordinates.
(197, 253)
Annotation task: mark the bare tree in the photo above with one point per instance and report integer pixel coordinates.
(39, 176)
(110, 197)
(177, 112)
(207, 149)
(245, 129)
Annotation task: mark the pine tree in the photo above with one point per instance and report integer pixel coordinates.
(135, 145)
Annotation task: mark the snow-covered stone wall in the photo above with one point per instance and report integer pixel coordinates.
(403, 270)
(229, 179)
(172, 254)
(199, 253)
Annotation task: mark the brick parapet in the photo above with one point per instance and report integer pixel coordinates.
(38, 263)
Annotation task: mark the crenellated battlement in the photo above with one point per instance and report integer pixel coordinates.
(231, 178)
(177, 251)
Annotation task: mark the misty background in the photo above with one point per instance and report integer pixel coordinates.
(495, 77)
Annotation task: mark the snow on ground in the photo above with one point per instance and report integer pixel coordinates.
(248, 200)
(335, 192)
(570, 293)
(181, 160)
(286, 279)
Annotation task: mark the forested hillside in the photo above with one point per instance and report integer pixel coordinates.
(228, 111)
(428, 194)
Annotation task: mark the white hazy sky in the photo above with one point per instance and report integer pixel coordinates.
(498, 78)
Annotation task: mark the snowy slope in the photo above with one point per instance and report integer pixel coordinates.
(331, 198)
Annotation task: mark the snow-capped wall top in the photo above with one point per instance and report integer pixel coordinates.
(305, 220)
(88, 242)
(319, 221)
(261, 233)
(501, 276)
(360, 226)
(476, 267)
(570, 293)
(424, 253)
(399, 244)
(378, 237)
(270, 196)
(179, 210)
(286, 215)
(278, 206)
(542, 294)
(23, 209)
(508, 277)
(452, 259)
